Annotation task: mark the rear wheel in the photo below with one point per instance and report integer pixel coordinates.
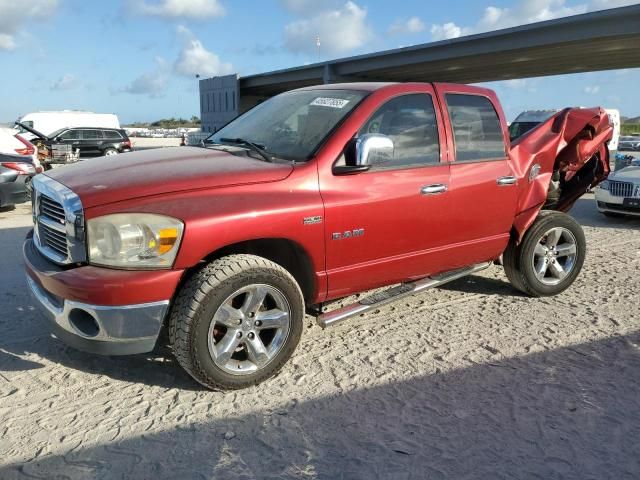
(236, 322)
(110, 151)
(549, 257)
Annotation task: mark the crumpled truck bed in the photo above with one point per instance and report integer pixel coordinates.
(558, 160)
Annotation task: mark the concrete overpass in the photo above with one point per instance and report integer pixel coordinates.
(603, 40)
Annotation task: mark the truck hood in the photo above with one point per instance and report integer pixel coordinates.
(154, 172)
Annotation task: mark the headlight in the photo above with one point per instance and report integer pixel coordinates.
(132, 240)
(604, 185)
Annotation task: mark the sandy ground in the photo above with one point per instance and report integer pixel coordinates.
(468, 381)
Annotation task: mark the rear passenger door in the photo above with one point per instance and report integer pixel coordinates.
(112, 138)
(482, 189)
(91, 142)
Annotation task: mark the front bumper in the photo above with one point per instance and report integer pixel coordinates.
(610, 203)
(95, 328)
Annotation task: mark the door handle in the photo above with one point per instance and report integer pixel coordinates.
(505, 181)
(433, 189)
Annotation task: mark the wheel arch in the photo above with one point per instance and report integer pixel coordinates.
(285, 252)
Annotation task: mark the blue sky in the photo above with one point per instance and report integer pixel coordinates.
(138, 58)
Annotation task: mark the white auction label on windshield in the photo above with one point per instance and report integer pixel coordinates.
(329, 102)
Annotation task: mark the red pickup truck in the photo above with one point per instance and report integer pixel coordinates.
(314, 195)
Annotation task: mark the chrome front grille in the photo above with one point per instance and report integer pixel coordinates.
(620, 189)
(58, 221)
(52, 225)
(52, 209)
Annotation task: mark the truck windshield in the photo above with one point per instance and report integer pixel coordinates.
(294, 124)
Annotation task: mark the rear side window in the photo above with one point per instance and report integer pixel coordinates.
(91, 134)
(112, 135)
(70, 135)
(410, 121)
(476, 128)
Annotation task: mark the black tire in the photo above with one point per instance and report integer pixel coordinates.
(519, 257)
(200, 298)
(109, 152)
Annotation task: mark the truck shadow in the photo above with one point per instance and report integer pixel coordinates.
(565, 413)
(157, 368)
(483, 285)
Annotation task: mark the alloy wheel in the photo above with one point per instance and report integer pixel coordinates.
(554, 256)
(249, 329)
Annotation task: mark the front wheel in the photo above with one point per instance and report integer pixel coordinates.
(236, 322)
(549, 257)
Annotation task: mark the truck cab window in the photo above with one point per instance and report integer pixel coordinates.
(410, 121)
(476, 128)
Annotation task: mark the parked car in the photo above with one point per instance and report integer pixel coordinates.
(314, 195)
(93, 142)
(87, 141)
(629, 143)
(11, 143)
(620, 194)
(16, 172)
(527, 120)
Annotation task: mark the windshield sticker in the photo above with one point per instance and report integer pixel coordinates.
(330, 102)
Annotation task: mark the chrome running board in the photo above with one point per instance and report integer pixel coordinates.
(392, 294)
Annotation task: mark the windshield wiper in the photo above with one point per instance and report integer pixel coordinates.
(256, 147)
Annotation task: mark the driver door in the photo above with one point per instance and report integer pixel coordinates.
(390, 224)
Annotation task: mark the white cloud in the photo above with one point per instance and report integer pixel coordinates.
(13, 14)
(412, 25)
(340, 30)
(523, 12)
(66, 82)
(309, 6)
(153, 84)
(7, 42)
(604, 4)
(592, 89)
(193, 9)
(447, 31)
(516, 83)
(195, 59)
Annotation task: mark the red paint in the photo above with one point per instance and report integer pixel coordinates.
(104, 286)
(224, 199)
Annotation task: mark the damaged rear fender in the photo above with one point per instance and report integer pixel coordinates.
(558, 161)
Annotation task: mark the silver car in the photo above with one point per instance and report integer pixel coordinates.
(620, 193)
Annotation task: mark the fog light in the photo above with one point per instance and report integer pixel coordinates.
(84, 322)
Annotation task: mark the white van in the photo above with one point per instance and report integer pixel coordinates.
(49, 122)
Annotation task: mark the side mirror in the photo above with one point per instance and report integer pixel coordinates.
(364, 152)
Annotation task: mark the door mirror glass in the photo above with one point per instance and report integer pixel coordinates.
(372, 149)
